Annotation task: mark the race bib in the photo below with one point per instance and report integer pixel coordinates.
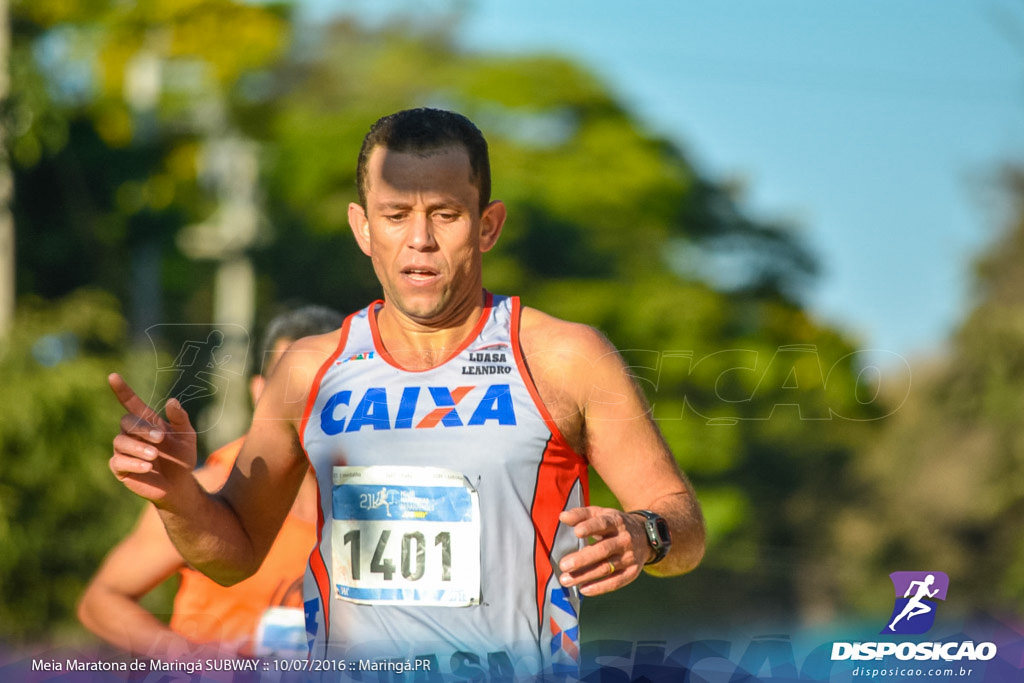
(405, 536)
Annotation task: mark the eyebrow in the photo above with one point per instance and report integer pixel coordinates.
(442, 204)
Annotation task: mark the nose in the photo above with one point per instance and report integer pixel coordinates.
(421, 233)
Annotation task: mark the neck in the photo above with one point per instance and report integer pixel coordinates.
(420, 345)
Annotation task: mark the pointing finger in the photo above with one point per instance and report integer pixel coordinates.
(127, 397)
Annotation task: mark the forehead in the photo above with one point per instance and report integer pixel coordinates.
(445, 171)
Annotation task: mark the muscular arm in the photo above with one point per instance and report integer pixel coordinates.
(227, 534)
(264, 482)
(583, 381)
(626, 448)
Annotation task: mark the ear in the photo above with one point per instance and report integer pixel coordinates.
(360, 225)
(491, 222)
(256, 385)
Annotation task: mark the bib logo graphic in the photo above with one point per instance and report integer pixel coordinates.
(916, 595)
(377, 499)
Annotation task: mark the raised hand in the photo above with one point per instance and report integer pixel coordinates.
(152, 456)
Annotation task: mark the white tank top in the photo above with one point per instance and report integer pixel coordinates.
(440, 492)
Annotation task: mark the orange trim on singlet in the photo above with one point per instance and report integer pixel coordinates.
(524, 371)
(318, 568)
(378, 343)
(317, 565)
(555, 481)
(315, 386)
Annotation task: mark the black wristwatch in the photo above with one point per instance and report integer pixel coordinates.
(658, 536)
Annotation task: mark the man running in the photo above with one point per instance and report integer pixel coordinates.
(480, 416)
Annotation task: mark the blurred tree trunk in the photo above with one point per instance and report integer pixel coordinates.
(6, 187)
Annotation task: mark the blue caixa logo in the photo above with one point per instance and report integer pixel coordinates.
(916, 596)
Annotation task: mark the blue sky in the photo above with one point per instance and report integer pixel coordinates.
(873, 126)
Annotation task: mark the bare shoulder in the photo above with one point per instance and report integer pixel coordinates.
(289, 383)
(567, 362)
(308, 354)
(541, 333)
(314, 350)
(578, 353)
(272, 459)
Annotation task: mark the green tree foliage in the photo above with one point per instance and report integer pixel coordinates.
(110, 101)
(97, 176)
(943, 488)
(608, 224)
(60, 508)
(92, 54)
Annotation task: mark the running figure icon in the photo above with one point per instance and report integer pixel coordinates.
(916, 605)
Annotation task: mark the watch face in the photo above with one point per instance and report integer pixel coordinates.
(663, 532)
(658, 535)
(653, 535)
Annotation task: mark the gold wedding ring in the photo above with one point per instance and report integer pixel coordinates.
(611, 568)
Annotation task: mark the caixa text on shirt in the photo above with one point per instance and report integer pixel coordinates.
(416, 407)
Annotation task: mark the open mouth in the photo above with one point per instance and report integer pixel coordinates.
(419, 273)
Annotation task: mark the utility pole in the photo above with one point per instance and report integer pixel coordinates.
(143, 83)
(229, 167)
(7, 260)
(230, 164)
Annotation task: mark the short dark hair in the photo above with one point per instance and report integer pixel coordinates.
(295, 324)
(424, 130)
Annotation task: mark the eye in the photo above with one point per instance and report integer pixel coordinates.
(446, 216)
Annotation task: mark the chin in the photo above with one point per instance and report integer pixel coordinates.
(419, 309)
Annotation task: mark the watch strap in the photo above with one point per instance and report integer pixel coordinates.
(658, 537)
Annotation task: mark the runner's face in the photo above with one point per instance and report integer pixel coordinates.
(424, 232)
